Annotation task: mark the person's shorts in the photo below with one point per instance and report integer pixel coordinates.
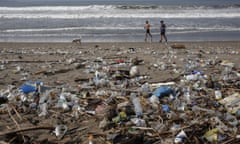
(148, 31)
(162, 33)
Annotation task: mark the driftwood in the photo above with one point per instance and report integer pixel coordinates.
(59, 70)
(27, 129)
(53, 72)
(178, 46)
(28, 61)
(114, 57)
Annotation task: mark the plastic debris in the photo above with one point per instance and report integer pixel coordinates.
(175, 95)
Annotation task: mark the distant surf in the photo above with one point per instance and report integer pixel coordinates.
(117, 22)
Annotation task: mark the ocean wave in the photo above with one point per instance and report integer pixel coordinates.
(136, 7)
(72, 28)
(180, 14)
(111, 7)
(117, 11)
(179, 29)
(57, 8)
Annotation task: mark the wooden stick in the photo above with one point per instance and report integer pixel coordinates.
(27, 129)
(25, 61)
(13, 118)
(19, 116)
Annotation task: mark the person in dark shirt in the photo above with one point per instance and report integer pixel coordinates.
(163, 31)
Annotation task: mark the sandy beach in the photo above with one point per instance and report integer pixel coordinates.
(71, 65)
(35, 57)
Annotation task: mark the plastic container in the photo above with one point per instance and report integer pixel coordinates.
(166, 108)
(43, 108)
(154, 99)
(218, 94)
(231, 120)
(172, 115)
(134, 71)
(212, 135)
(163, 91)
(192, 77)
(187, 95)
(137, 105)
(138, 122)
(60, 130)
(145, 89)
(27, 88)
(180, 137)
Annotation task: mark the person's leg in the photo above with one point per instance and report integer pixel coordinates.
(145, 37)
(150, 36)
(161, 38)
(165, 37)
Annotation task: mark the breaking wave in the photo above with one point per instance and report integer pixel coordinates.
(119, 11)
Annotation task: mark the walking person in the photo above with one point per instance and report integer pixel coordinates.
(148, 33)
(162, 31)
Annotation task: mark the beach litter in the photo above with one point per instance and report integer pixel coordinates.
(113, 99)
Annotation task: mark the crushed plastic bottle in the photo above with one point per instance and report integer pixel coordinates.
(163, 91)
(166, 108)
(76, 111)
(134, 71)
(138, 122)
(218, 94)
(137, 105)
(145, 89)
(212, 135)
(180, 137)
(60, 130)
(43, 109)
(187, 95)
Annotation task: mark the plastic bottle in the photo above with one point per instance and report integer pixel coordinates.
(187, 95)
(145, 89)
(218, 94)
(196, 108)
(60, 130)
(232, 120)
(90, 139)
(43, 108)
(180, 137)
(137, 105)
(134, 71)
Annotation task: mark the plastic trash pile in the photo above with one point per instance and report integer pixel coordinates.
(119, 105)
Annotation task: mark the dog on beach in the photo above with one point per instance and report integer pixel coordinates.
(79, 41)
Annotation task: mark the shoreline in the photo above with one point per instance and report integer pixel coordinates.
(141, 44)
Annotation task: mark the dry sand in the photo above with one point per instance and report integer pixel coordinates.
(55, 64)
(35, 57)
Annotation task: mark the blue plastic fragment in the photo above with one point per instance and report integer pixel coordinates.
(27, 88)
(165, 108)
(163, 91)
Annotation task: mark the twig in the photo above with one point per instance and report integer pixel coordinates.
(125, 90)
(229, 141)
(143, 128)
(13, 118)
(29, 61)
(27, 129)
(19, 116)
